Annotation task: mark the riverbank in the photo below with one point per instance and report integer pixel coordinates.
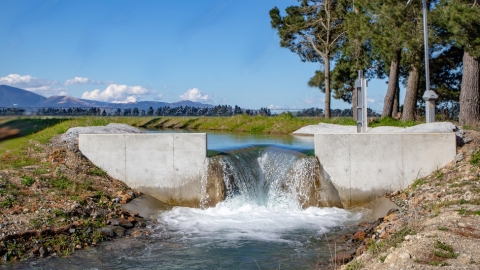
(438, 224)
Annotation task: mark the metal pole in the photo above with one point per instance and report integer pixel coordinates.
(429, 96)
(425, 39)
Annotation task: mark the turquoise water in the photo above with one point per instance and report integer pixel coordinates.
(219, 141)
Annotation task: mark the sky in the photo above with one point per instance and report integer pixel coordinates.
(209, 51)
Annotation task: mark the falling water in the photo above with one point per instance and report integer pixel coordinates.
(268, 176)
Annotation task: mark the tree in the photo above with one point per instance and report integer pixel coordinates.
(313, 30)
(354, 55)
(461, 19)
(387, 18)
(150, 111)
(135, 112)
(413, 59)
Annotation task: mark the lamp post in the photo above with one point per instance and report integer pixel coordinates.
(429, 96)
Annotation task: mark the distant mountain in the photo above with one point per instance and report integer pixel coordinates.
(68, 101)
(190, 103)
(25, 99)
(12, 96)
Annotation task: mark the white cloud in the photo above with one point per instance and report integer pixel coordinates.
(27, 82)
(194, 95)
(82, 80)
(40, 86)
(116, 93)
(160, 96)
(272, 107)
(371, 100)
(77, 80)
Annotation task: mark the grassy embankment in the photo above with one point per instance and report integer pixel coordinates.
(42, 129)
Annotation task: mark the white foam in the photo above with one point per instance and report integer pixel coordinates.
(236, 220)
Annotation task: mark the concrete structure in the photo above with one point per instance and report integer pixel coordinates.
(168, 167)
(365, 166)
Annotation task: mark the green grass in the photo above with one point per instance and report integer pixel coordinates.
(7, 202)
(98, 172)
(475, 160)
(443, 250)
(27, 180)
(354, 265)
(388, 121)
(62, 182)
(417, 183)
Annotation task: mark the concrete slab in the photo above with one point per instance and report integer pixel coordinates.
(366, 166)
(108, 151)
(166, 166)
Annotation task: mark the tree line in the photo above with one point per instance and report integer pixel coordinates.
(385, 39)
(219, 110)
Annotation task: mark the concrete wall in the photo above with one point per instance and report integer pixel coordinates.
(365, 166)
(166, 166)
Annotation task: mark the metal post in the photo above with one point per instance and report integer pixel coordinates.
(429, 96)
(361, 88)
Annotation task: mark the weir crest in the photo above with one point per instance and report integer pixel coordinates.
(269, 176)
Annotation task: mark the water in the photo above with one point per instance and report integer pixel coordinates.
(224, 141)
(232, 235)
(264, 222)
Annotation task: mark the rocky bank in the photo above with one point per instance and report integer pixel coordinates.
(436, 226)
(54, 201)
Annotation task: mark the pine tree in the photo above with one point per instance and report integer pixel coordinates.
(314, 30)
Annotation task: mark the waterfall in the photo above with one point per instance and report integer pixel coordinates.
(269, 176)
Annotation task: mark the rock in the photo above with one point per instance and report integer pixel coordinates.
(119, 231)
(113, 222)
(360, 250)
(404, 256)
(467, 140)
(408, 237)
(43, 252)
(70, 138)
(458, 157)
(342, 258)
(107, 231)
(359, 236)
(390, 257)
(383, 235)
(71, 230)
(125, 223)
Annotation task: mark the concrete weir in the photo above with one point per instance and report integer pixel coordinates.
(168, 167)
(365, 166)
(354, 169)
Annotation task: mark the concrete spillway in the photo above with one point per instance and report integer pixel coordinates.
(349, 169)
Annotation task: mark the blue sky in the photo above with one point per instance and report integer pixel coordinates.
(210, 51)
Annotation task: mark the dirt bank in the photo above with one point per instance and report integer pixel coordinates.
(54, 201)
(438, 224)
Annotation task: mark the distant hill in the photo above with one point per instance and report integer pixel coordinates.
(16, 97)
(12, 96)
(68, 101)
